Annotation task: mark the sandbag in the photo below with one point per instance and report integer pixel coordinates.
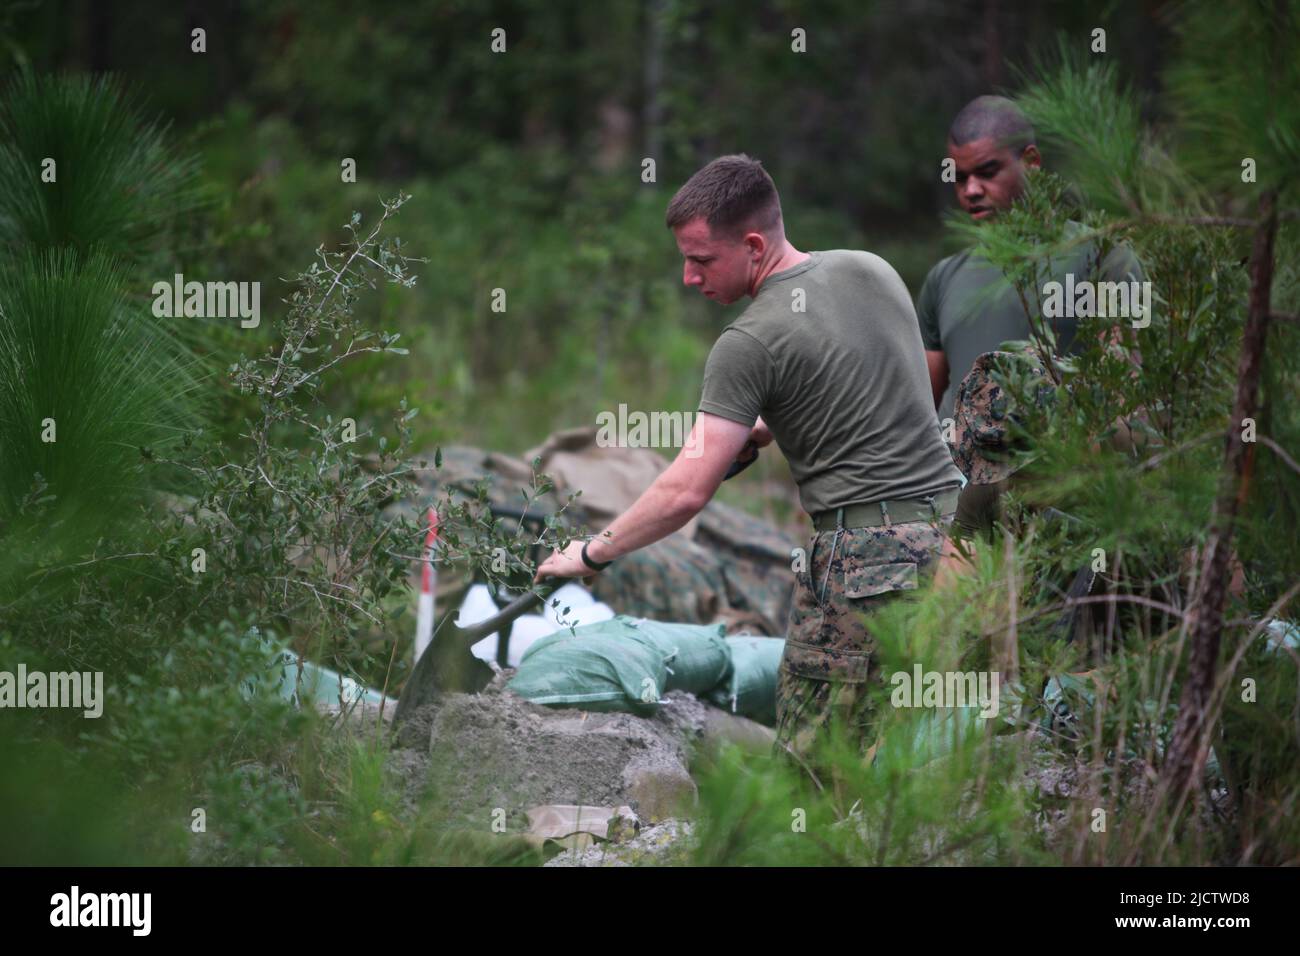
(622, 664)
(750, 688)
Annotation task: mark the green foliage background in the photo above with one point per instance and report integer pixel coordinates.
(525, 172)
(526, 166)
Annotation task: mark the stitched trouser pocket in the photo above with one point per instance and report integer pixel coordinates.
(851, 574)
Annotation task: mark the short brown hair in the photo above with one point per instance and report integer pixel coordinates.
(733, 194)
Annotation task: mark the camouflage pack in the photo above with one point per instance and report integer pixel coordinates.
(990, 443)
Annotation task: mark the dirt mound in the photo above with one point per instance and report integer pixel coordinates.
(495, 751)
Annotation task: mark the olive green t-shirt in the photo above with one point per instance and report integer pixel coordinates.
(967, 307)
(841, 383)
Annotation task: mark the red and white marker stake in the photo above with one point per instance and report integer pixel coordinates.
(428, 584)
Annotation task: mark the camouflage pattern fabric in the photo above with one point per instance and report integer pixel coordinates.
(830, 666)
(815, 714)
(672, 580)
(755, 561)
(737, 532)
(736, 570)
(987, 450)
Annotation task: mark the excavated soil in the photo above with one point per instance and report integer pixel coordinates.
(478, 754)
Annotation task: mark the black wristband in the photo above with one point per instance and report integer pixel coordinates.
(594, 565)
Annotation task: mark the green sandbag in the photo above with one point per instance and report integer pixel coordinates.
(750, 689)
(623, 664)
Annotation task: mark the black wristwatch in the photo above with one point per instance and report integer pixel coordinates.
(594, 565)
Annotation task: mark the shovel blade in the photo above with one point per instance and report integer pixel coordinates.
(449, 666)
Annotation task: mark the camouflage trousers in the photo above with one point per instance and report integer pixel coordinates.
(830, 665)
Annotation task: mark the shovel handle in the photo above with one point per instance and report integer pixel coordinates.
(737, 466)
(513, 610)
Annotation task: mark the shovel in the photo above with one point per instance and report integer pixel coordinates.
(447, 666)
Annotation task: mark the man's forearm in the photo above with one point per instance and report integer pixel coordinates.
(673, 499)
(662, 509)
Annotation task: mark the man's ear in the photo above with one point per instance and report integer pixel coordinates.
(1029, 156)
(755, 245)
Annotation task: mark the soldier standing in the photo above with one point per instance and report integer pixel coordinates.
(826, 360)
(966, 306)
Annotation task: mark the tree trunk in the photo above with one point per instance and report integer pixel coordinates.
(1190, 745)
(652, 82)
(992, 46)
